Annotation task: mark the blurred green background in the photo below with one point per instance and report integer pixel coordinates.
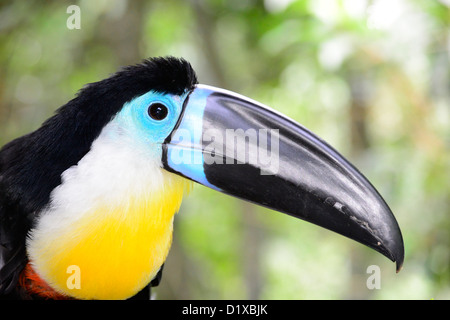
(371, 77)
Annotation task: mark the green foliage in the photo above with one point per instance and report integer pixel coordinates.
(370, 77)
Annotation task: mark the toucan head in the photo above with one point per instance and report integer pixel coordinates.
(240, 147)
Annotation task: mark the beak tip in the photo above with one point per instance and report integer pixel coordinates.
(391, 246)
(389, 236)
(399, 262)
(396, 254)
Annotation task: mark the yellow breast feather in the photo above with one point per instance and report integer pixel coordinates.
(116, 249)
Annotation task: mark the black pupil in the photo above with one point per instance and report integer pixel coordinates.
(157, 111)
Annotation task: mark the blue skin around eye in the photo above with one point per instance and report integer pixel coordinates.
(147, 133)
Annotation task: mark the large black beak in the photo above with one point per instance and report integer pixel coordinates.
(238, 146)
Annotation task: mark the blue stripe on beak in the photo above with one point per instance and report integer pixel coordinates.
(183, 154)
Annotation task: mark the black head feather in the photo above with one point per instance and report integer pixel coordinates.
(31, 166)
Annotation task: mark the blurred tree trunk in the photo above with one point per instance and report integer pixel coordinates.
(360, 94)
(251, 251)
(359, 80)
(123, 33)
(177, 275)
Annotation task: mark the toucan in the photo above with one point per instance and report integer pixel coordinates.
(96, 187)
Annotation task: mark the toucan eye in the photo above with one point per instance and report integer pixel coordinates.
(157, 111)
